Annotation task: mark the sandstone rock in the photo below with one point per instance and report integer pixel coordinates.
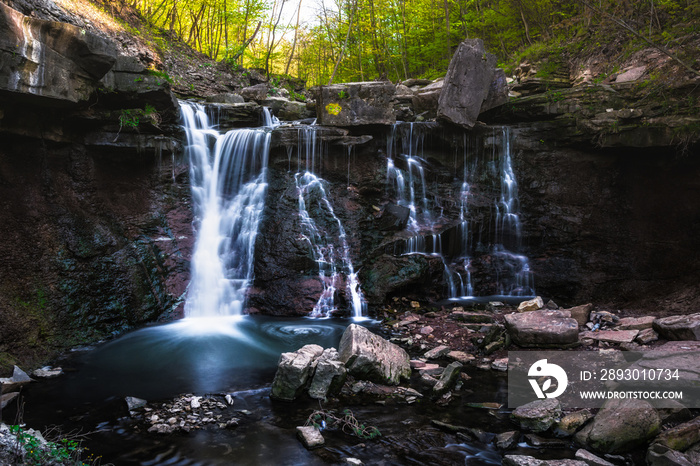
(612, 336)
(539, 415)
(467, 83)
(531, 305)
(569, 424)
(51, 60)
(544, 329)
(356, 104)
(507, 440)
(620, 426)
(631, 75)
(590, 459)
(646, 336)
(227, 98)
(294, 371)
(448, 378)
(581, 313)
(329, 375)
(460, 356)
(310, 436)
(635, 323)
(370, 357)
(437, 352)
(257, 92)
(684, 327)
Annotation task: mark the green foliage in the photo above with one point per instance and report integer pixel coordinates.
(343, 95)
(161, 74)
(35, 452)
(131, 117)
(347, 423)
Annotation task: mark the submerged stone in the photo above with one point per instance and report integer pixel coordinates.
(310, 437)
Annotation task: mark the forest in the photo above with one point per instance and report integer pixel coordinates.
(358, 40)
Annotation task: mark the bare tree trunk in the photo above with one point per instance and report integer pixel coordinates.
(294, 44)
(345, 44)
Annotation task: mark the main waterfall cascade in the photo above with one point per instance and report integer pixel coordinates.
(228, 176)
(499, 239)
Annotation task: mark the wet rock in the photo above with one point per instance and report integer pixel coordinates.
(48, 372)
(257, 92)
(569, 424)
(500, 364)
(541, 442)
(394, 217)
(18, 379)
(7, 398)
(425, 100)
(620, 426)
(370, 357)
(581, 313)
(452, 428)
(356, 104)
(437, 352)
(590, 459)
(310, 437)
(507, 440)
(448, 378)
(646, 336)
(329, 375)
(467, 83)
(238, 115)
(543, 329)
(683, 327)
(681, 437)
(471, 317)
(294, 371)
(353, 461)
(635, 323)
(661, 455)
(612, 336)
(531, 305)
(539, 415)
(133, 403)
(674, 412)
(521, 460)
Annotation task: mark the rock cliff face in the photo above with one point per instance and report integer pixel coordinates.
(94, 210)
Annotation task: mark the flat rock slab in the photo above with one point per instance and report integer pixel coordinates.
(685, 327)
(472, 317)
(612, 336)
(437, 352)
(636, 323)
(539, 415)
(356, 104)
(542, 329)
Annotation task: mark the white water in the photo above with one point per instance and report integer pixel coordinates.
(228, 180)
(409, 188)
(323, 230)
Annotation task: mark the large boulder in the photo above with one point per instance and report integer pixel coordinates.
(467, 83)
(539, 415)
(620, 426)
(370, 357)
(356, 104)
(50, 60)
(294, 372)
(685, 327)
(542, 329)
(329, 375)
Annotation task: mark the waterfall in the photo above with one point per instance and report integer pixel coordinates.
(228, 181)
(408, 186)
(323, 230)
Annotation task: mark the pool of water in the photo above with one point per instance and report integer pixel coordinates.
(238, 357)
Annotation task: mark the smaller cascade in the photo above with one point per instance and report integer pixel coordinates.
(322, 228)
